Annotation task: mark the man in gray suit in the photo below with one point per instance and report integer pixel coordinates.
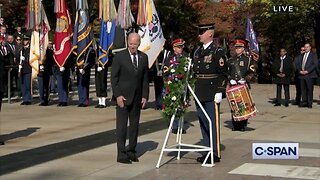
(307, 66)
(130, 86)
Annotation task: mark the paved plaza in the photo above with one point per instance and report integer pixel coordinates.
(80, 143)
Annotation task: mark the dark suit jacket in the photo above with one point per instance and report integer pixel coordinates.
(288, 70)
(310, 66)
(1, 73)
(125, 80)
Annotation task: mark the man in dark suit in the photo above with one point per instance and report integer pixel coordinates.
(296, 77)
(307, 67)
(210, 69)
(283, 70)
(130, 86)
(2, 55)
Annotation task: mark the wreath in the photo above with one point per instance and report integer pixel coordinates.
(175, 87)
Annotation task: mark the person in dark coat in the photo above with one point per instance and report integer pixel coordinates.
(296, 77)
(241, 69)
(130, 87)
(283, 71)
(307, 67)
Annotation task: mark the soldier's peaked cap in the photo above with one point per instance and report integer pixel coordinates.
(204, 27)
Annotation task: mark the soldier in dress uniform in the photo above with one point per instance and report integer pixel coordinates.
(178, 53)
(45, 71)
(25, 70)
(83, 77)
(241, 69)
(101, 77)
(210, 71)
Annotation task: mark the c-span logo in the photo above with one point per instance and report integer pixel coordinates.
(275, 150)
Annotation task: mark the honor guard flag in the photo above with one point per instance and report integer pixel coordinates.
(38, 22)
(107, 14)
(152, 39)
(82, 33)
(251, 37)
(62, 39)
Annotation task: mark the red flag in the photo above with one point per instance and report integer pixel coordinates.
(62, 40)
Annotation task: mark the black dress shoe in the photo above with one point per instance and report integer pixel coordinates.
(23, 103)
(310, 106)
(98, 106)
(133, 158)
(64, 104)
(124, 161)
(174, 131)
(277, 104)
(286, 105)
(27, 103)
(43, 104)
(202, 158)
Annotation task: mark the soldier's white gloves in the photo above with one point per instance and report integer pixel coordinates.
(41, 67)
(20, 66)
(81, 71)
(233, 82)
(22, 58)
(62, 69)
(218, 97)
(98, 69)
(242, 81)
(159, 73)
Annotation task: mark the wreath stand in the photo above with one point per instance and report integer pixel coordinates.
(181, 147)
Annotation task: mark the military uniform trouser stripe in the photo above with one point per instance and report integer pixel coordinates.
(217, 136)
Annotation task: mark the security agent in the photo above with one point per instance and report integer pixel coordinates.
(210, 72)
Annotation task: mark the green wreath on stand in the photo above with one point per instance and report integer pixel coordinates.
(175, 88)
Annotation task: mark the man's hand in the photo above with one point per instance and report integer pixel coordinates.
(120, 101)
(233, 82)
(62, 69)
(41, 67)
(22, 58)
(99, 69)
(242, 81)
(81, 71)
(303, 72)
(143, 102)
(218, 97)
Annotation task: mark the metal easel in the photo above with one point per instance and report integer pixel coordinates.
(182, 147)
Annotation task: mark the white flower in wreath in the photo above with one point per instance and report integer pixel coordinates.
(169, 82)
(172, 70)
(185, 69)
(174, 98)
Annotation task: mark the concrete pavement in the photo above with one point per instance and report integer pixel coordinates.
(79, 143)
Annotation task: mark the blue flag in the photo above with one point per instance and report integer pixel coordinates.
(107, 32)
(82, 36)
(251, 37)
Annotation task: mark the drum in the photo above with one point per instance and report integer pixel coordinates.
(241, 103)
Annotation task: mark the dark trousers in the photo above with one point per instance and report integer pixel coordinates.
(307, 91)
(238, 125)
(53, 80)
(83, 87)
(158, 88)
(286, 93)
(213, 111)
(1, 95)
(43, 82)
(26, 87)
(62, 83)
(131, 112)
(298, 90)
(101, 83)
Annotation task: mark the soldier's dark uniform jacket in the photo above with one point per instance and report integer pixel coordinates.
(210, 69)
(241, 67)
